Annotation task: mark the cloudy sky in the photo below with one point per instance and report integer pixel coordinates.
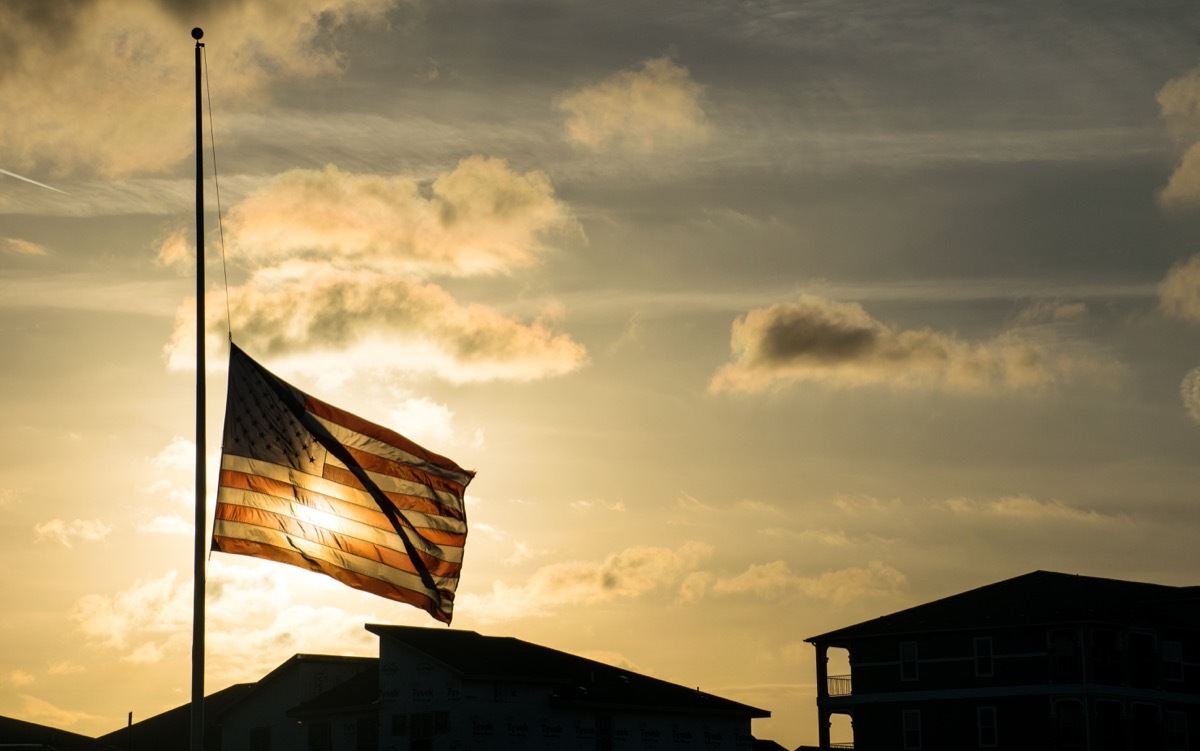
(756, 319)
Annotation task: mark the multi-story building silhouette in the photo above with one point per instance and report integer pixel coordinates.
(1041, 661)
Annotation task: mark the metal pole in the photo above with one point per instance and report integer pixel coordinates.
(197, 736)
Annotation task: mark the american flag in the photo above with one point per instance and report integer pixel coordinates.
(305, 483)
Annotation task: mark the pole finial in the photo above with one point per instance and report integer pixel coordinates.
(197, 33)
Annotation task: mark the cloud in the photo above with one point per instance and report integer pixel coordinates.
(377, 321)
(776, 580)
(1051, 311)
(638, 110)
(1189, 391)
(1179, 291)
(21, 678)
(481, 218)
(338, 266)
(99, 85)
(815, 339)
(65, 667)
(253, 622)
(626, 574)
(1179, 103)
(1026, 509)
(22, 247)
(45, 713)
(88, 530)
(168, 525)
(155, 608)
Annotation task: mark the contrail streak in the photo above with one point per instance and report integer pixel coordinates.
(35, 182)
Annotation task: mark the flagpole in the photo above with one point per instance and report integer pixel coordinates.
(197, 743)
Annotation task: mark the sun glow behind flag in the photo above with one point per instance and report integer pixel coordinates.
(305, 483)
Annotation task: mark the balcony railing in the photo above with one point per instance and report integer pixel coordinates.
(842, 745)
(838, 685)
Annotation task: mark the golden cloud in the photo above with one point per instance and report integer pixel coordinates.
(1179, 103)
(105, 85)
(639, 110)
(338, 263)
(1179, 291)
(479, 218)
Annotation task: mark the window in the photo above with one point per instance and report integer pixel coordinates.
(908, 660)
(366, 734)
(1146, 727)
(441, 722)
(400, 725)
(983, 655)
(1110, 726)
(986, 721)
(1065, 652)
(320, 737)
(912, 728)
(1172, 656)
(1106, 657)
(1069, 725)
(1143, 662)
(1176, 731)
(260, 739)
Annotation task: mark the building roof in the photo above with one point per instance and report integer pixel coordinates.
(357, 695)
(1040, 597)
(168, 729)
(284, 671)
(18, 733)
(577, 681)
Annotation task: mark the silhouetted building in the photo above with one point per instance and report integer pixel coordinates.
(29, 736)
(449, 689)
(168, 729)
(1041, 661)
(437, 689)
(259, 720)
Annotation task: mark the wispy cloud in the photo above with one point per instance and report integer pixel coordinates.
(43, 712)
(776, 580)
(626, 574)
(22, 247)
(86, 530)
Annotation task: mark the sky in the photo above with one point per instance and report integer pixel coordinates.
(755, 318)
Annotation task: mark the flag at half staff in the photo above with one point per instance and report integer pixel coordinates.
(305, 483)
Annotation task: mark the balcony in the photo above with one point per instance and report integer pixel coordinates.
(838, 685)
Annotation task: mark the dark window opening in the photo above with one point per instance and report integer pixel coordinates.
(260, 739)
(1106, 657)
(987, 727)
(1143, 663)
(912, 729)
(983, 656)
(1069, 726)
(1065, 652)
(320, 736)
(908, 660)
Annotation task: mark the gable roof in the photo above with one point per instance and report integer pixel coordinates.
(168, 729)
(293, 663)
(1040, 597)
(19, 732)
(576, 681)
(358, 695)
